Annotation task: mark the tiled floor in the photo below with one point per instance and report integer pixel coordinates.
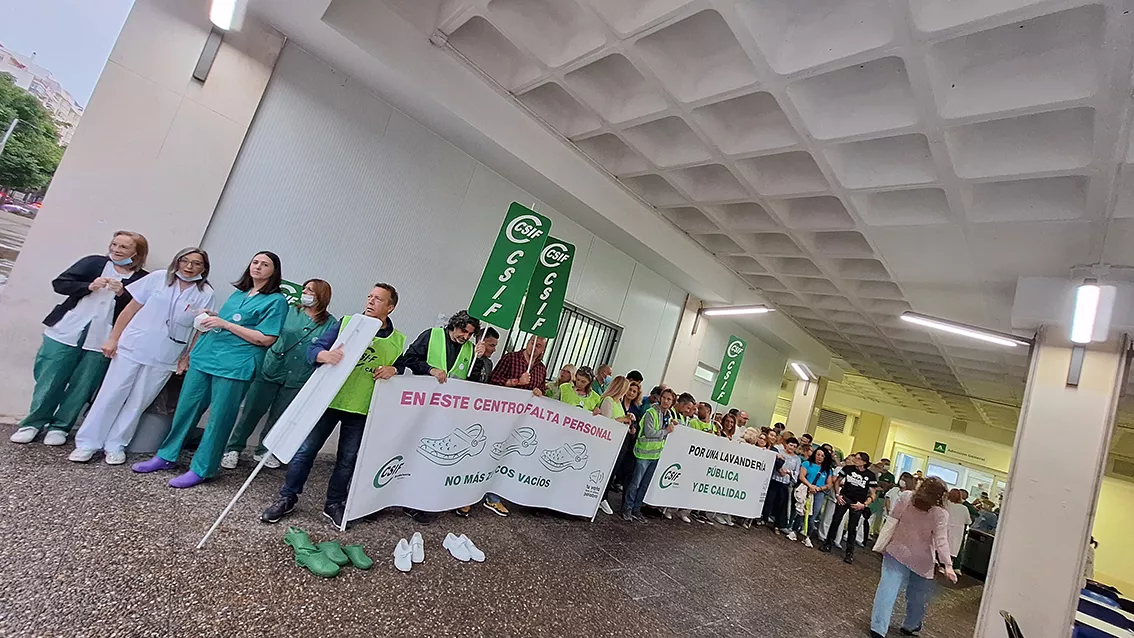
(98, 550)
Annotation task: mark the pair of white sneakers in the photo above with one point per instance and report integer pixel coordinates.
(407, 553)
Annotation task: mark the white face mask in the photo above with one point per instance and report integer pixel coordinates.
(188, 279)
(307, 300)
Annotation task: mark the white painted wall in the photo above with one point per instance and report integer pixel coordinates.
(760, 373)
(152, 154)
(346, 188)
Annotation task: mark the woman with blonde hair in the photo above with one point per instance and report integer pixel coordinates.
(566, 375)
(920, 537)
(147, 345)
(70, 364)
(611, 406)
(959, 519)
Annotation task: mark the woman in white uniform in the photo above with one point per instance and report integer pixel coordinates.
(70, 365)
(148, 343)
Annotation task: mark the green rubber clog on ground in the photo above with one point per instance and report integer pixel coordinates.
(309, 556)
(358, 557)
(333, 551)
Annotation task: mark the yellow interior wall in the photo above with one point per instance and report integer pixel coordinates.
(961, 449)
(1114, 518)
(840, 441)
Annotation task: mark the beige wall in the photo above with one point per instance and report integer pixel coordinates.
(152, 154)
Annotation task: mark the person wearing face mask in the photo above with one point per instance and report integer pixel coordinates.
(146, 345)
(222, 364)
(603, 376)
(283, 373)
(580, 394)
(70, 364)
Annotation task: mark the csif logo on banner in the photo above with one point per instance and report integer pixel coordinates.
(669, 476)
(543, 304)
(730, 368)
(389, 471)
(508, 270)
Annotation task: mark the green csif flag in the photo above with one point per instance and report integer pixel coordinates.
(291, 291)
(509, 268)
(543, 305)
(730, 367)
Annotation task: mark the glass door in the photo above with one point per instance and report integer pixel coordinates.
(904, 462)
(979, 482)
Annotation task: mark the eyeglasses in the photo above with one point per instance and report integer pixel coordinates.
(195, 263)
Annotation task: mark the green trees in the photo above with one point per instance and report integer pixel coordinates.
(33, 152)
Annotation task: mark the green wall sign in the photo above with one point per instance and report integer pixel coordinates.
(509, 269)
(543, 305)
(730, 368)
(940, 447)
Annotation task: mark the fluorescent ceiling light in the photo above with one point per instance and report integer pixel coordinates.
(736, 310)
(988, 336)
(1086, 311)
(223, 14)
(802, 371)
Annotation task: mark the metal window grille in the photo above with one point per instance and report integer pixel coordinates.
(583, 340)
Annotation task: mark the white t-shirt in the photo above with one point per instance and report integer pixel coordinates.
(159, 333)
(958, 519)
(95, 310)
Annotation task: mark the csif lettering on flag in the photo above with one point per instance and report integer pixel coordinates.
(543, 305)
(509, 268)
(730, 368)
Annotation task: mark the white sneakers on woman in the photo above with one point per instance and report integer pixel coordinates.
(230, 460)
(55, 438)
(83, 455)
(24, 435)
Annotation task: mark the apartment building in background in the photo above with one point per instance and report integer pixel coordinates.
(39, 82)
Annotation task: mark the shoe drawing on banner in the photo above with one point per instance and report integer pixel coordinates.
(521, 440)
(452, 449)
(567, 456)
(597, 477)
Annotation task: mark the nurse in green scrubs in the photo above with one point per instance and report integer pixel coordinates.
(221, 366)
(581, 394)
(283, 374)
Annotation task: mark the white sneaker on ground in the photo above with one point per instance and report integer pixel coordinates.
(791, 536)
(229, 460)
(402, 556)
(272, 463)
(457, 548)
(685, 519)
(807, 543)
(474, 552)
(24, 435)
(667, 514)
(55, 438)
(605, 507)
(81, 455)
(417, 544)
(115, 458)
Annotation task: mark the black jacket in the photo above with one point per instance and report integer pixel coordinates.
(75, 283)
(416, 354)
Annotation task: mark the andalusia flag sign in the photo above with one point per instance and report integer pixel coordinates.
(544, 304)
(730, 367)
(509, 269)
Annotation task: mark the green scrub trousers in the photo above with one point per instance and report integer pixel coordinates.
(66, 377)
(199, 392)
(263, 396)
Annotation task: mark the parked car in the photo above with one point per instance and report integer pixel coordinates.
(20, 210)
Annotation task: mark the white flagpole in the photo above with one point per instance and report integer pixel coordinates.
(231, 503)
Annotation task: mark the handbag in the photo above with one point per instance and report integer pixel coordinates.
(885, 534)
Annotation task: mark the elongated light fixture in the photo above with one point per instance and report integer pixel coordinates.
(988, 336)
(802, 371)
(736, 310)
(1086, 311)
(222, 13)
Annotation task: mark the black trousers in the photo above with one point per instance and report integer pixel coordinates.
(776, 510)
(854, 520)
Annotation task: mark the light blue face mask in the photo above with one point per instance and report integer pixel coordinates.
(188, 279)
(122, 262)
(608, 379)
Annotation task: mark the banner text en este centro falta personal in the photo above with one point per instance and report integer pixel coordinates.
(480, 404)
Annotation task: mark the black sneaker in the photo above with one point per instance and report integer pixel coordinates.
(334, 512)
(283, 506)
(916, 631)
(419, 517)
(825, 548)
(848, 559)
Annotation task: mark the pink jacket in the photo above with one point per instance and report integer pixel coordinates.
(919, 536)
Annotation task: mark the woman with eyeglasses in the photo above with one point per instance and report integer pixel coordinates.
(70, 365)
(283, 374)
(221, 367)
(147, 344)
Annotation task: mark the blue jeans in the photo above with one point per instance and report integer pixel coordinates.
(894, 576)
(816, 523)
(350, 439)
(639, 483)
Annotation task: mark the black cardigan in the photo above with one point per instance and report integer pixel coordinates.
(75, 283)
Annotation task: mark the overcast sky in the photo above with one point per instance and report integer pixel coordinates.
(72, 38)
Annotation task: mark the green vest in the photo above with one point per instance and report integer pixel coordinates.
(437, 355)
(354, 396)
(568, 395)
(649, 450)
(616, 409)
(703, 426)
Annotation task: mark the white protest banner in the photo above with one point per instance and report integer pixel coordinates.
(436, 447)
(700, 471)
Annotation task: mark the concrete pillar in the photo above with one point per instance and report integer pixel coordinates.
(152, 154)
(870, 432)
(686, 351)
(805, 403)
(1057, 466)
